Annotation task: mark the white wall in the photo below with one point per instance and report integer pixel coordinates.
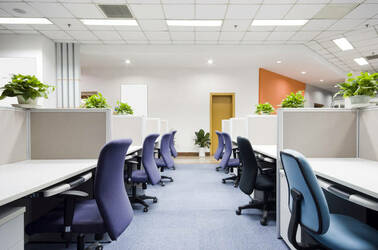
(317, 95)
(33, 46)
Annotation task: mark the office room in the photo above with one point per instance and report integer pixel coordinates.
(188, 124)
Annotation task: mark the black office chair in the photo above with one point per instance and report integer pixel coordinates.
(251, 180)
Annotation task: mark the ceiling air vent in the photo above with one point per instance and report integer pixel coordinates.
(116, 11)
(372, 57)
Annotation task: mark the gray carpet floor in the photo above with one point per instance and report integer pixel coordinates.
(195, 212)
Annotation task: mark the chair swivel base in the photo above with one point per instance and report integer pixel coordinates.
(259, 205)
(163, 177)
(234, 178)
(217, 168)
(81, 244)
(140, 200)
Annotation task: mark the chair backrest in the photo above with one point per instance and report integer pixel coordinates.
(172, 144)
(219, 151)
(165, 150)
(249, 166)
(110, 192)
(227, 150)
(314, 213)
(148, 159)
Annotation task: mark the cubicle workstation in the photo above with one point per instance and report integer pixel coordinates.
(341, 147)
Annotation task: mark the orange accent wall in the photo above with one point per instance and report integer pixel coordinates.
(274, 87)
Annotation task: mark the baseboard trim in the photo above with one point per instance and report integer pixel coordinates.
(191, 153)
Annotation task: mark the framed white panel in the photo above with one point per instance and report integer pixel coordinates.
(152, 126)
(136, 97)
(226, 126)
(238, 128)
(128, 126)
(262, 129)
(163, 127)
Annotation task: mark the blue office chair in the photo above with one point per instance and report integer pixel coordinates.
(309, 209)
(172, 144)
(110, 212)
(165, 161)
(227, 163)
(219, 152)
(150, 174)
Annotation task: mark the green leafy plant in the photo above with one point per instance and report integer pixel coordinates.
(123, 108)
(27, 86)
(264, 108)
(95, 101)
(202, 139)
(294, 100)
(364, 84)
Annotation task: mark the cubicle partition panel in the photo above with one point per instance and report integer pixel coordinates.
(238, 128)
(226, 126)
(68, 133)
(14, 135)
(152, 125)
(128, 126)
(163, 127)
(368, 133)
(262, 129)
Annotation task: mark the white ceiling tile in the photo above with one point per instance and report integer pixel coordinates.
(241, 11)
(2, 27)
(74, 1)
(45, 27)
(109, 1)
(56, 34)
(346, 24)
(82, 35)
(27, 32)
(229, 42)
(256, 36)
(288, 28)
(179, 11)
(147, 11)
(246, 1)
(107, 35)
(272, 11)
(91, 42)
(115, 42)
(51, 9)
(208, 28)
(321, 24)
(207, 42)
(143, 1)
(6, 32)
(207, 36)
(241, 25)
(153, 25)
(18, 26)
(210, 11)
(100, 27)
(183, 42)
(30, 12)
(126, 28)
(304, 36)
(137, 42)
(262, 28)
(328, 35)
(133, 35)
(157, 36)
(84, 10)
(68, 23)
(312, 1)
(280, 36)
(231, 36)
(346, 1)
(182, 36)
(306, 11)
(180, 28)
(3, 13)
(160, 42)
(211, 1)
(178, 1)
(363, 10)
(279, 1)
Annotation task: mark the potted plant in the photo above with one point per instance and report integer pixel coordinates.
(26, 88)
(123, 108)
(203, 141)
(358, 91)
(294, 100)
(264, 108)
(95, 102)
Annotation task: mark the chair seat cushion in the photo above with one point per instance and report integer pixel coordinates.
(264, 182)
(233, 162)
(139, 176)
(348, 233)
(87, 219)
(160, 162)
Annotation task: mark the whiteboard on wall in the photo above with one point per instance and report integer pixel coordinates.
(136, 97)
(11, 66)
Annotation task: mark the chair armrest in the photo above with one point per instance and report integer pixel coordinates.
(74, 193)
(267, 171)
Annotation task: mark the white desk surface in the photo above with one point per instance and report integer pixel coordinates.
(133, 149)
(22, 178)
(355, 173)
(267, 150)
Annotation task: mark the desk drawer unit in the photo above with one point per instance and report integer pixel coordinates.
(12, 228)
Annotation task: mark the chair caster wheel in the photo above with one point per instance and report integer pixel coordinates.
(238, 212)
(223, 181)
(236, 185)
(216, 169)
(155, 200)
(171, 180)
(263, 222)
(99, 248)
(145, 209)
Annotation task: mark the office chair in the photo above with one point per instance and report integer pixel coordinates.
(227, 163)
(219, 152)
(172, 144)
(165, 161)
(110, 212)
(309, 209)
(251, 180)
(150, 174)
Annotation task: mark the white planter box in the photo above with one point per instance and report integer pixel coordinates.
(202, 152)
(358, 101)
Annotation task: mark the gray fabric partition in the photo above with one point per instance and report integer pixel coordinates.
(13, 134)
(368, 134)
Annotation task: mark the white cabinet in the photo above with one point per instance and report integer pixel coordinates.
(12, 228)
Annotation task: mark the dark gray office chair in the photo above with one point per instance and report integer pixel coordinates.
(251, 180)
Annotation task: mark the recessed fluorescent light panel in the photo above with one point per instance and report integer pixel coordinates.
(210, 61)
(115, 22)
(361, 61)
(343, 44)
(279, 22)
(16, 20)
(195, 23)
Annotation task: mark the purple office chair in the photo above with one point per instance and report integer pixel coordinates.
(150, 174)
(172, 144)
(227, 163)
(218, 154)
(165, 161)
(110, 212)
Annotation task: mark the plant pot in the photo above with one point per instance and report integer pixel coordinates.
(29, 101)
(202, 152)
(357, 101)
